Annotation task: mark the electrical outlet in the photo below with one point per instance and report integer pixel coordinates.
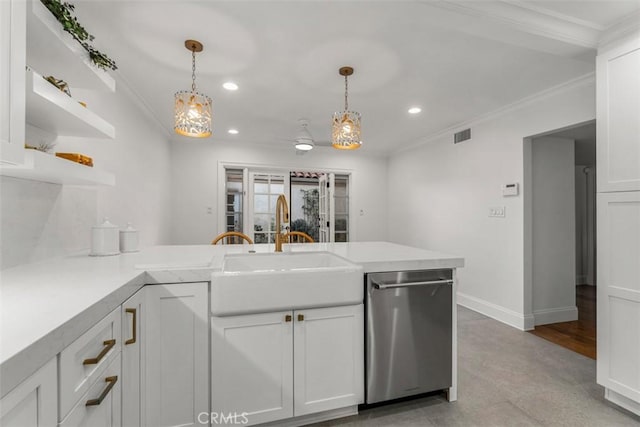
(497, 212)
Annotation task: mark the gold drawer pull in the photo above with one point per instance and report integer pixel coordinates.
(108, 345)
(132, 340)
(95, 402)
(287, 318)
(300, 317)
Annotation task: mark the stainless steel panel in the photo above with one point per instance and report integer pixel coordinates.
(408, 333)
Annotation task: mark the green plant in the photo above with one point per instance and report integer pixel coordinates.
(63, 12)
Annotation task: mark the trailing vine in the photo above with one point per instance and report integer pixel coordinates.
(63, 12)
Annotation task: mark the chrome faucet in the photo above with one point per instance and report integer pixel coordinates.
(282, 213)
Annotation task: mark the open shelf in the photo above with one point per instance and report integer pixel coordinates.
(54, 52)
(39, 166)
(50, 109)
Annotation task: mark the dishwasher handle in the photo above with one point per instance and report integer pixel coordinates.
(378, 285)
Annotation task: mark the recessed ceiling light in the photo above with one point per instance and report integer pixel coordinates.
(233, 131)
(414, 110)
(230, 86)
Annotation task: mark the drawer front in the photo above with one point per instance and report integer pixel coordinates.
(84, 359)
(100, 406)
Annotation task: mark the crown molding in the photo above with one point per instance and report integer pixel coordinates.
(530, 19)
(583, 80)
(627, 27)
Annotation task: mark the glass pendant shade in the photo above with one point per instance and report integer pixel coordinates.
(193, 114)
(345, 129)
(192, 110)
(345, 132)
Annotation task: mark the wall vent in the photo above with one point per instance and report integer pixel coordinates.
(463, 135)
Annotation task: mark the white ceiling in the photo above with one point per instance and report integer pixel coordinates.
(457, 60)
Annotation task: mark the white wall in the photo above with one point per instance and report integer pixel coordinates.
(194, 171)
(442, 194)
(553, 230)
(42, 220)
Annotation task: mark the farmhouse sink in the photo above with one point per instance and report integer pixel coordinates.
(259, 283)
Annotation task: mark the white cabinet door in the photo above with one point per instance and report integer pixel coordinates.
(13, 47)
(177, 347)
(252, 366)
(618, 132)
(619, 297)
(329, 358)
(34, 402)
(101, 405)
(132, 359)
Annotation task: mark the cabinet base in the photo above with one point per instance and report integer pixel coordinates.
(316, 418)
(622, 401)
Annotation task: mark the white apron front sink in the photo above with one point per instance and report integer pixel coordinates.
(258, 283)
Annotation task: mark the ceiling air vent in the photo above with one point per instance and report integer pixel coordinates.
(463, 135)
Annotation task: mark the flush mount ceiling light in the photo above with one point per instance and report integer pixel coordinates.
(345, 132)
(230, 86)
(414, 110)
(193, 115)
(233, 131)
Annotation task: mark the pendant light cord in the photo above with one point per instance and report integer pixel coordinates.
(193, 69)
(346, 91)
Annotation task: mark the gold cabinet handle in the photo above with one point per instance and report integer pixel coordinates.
(132, 340)
(111, 382)
(108, 345)
(300, 317)
(287, 318)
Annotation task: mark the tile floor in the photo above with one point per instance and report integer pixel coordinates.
(506, 378)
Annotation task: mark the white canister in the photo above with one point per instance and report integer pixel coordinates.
(105, 239)
(129, 239)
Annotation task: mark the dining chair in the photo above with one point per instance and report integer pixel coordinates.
(232, 237)
(299, 237)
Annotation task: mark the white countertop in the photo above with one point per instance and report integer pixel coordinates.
(45, 306)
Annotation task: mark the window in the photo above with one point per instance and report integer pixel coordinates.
(341, 202)
(234, 200)
(265, 189)
(251, 195)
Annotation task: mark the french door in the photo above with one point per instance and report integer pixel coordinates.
(327, 209)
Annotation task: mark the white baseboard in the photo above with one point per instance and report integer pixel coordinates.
(555, 315)
(499, 313)
(622, 401)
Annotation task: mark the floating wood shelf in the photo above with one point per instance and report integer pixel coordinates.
(51, 110)
(39, 166)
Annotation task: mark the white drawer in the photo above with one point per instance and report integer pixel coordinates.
(87, 357)
(100, 406)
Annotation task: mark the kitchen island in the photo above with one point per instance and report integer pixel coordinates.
(47, 306)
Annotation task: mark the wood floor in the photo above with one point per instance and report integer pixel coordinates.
(579, 335)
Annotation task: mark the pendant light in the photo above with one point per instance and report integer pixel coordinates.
(192, 109)
(345, 133)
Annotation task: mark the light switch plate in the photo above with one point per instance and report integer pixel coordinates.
(497, 211)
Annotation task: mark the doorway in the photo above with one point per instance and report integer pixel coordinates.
(562, 236)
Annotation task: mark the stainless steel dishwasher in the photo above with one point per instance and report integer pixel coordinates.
(408, 333)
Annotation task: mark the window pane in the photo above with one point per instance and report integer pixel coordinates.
(260, 238)
(341, 237)
(341, 188)
(341, 223)
(342, 205)
(260, 184)
(262, 223)
(277, 187)
(261, 203)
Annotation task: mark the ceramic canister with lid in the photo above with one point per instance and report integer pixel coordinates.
(105, 239)
(129, 239)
